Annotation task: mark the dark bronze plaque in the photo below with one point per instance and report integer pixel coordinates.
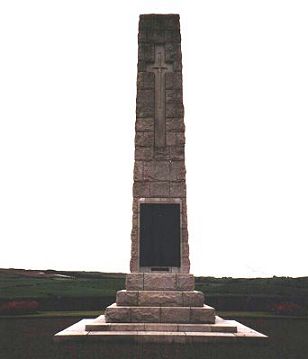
(160, 235)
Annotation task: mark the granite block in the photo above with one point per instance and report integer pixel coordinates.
(153, 281)
(160, 298)
(175, 315)
(193, 299)
(204, 314)
(185, 282)
(116, 314)
(134, 281)
(145, 314)
(127, 298)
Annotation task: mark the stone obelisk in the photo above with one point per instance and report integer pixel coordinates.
(159, 233)
(159, 288)
(159, 303)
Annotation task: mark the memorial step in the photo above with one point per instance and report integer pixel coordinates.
(99, 324)
(130, 314)
(160, 298)
(160, 281)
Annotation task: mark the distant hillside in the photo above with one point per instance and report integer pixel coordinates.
(50, 273)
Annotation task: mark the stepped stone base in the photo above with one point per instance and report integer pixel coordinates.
(88, 330)
(158, 308)
(99, 324)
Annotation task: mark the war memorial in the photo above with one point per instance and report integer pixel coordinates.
(160, 303)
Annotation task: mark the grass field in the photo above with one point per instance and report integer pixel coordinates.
(23, 284)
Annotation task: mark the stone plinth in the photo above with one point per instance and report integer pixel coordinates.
(160, 281)
(151, 314)
(160, 298)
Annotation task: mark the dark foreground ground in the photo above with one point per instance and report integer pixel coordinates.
(32, 338)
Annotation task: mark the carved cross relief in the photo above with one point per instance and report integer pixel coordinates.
(159, 68)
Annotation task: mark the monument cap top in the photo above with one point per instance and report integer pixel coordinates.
(159, 21)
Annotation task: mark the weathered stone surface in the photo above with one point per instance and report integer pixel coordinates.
(185, 282)
(148, 139)
(185, 237)
(145, 103)
(99, 324)
(146, 80)
(175, 138)
(174, 55)
(135, 206)
(156, 170)
(172, 36)
(161, 154)
(159, 189)
(127, 327)
(159, 281)
(145, 314)
(138, 171)
(155, 35)
(177, 153)
(175, 124)
(145, 139)
(161, 327)
(185, 252)
(185, 265)
(184, 213)
(204, 314)
(160, 298)
(133, 265)
(193, 299)
(143, 153)
(141, 189)
(175, 315)
(173, 80)
(124, 314)
(127, 298)
(173, 109)
(174, 96)
(166, 21)
(177, 170)
(177, 189)
(146, 52)
(113, 313)
(134, 281)
(144, 124)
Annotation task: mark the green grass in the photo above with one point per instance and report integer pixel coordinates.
(20, 287)
(56, 314)
(256, 315)
(276, 286)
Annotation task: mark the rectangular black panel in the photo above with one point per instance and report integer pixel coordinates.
(160, 235)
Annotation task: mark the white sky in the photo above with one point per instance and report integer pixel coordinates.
(67, 113)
